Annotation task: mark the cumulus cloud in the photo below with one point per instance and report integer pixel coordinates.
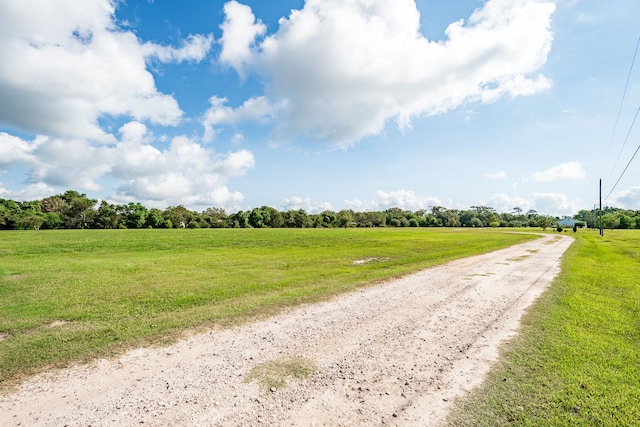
(296, 203)
(65, 66)
(239, 32)
(194, 49)
(343, 69)
(14, 150)
(627, 199)
(56, 162)
(186, 172)
(68, 65)
(570, 170)
(556, 204)
(404, 199)
(36, 191)
(220, 113)
(506, 203)
(70, 163)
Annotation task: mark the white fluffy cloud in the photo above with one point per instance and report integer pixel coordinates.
(506, 203)
(343, 69)
(295, 203)
(220, 113)
(557, 204)
(14, 150)
(194, 49)
(186, 172)
(66, 66)
(627, 199)
(31, 192)
(404, 199)
(240, 30)
(570, 170)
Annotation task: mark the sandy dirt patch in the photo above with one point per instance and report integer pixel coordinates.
(395, 354)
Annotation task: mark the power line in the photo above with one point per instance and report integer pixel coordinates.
(632, 157)
(615, 127)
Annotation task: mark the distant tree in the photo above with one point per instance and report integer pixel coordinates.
(611, 220)
(394, 222)
(107, 216)
(54, 204)
(134, 215)
(272, 217)
(431, 221)
(155, 219)
(467, 216)
(78, 209)
(450, 218)
(588, 217)
(178, 215)
(625, 222)
(9, 214)
(544, 222)
(486, 214)
(296, 219)
(345, 218)
(327, 218)
(256, 218)
(266, 216)
(30, 220)
(239, 219)
(52, 221)
(215, 217)
(474, 222)
(370, 219)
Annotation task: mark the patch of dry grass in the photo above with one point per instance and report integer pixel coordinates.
(274, 374)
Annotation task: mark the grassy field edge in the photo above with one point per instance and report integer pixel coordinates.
(575, 361)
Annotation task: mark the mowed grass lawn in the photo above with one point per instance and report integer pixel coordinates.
(576, 361)
(75, 295)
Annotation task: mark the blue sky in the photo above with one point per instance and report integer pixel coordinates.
(321, 104)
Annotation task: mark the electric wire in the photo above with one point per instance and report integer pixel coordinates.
(632, 157)
(615, 127)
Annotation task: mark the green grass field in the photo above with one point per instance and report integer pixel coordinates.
(72, 296)
(577, 359)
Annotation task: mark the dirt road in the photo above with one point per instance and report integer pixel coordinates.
(395, 354)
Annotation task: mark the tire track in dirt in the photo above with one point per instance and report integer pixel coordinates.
(395, 354)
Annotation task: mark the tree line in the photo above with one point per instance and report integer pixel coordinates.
(611, 218)
(73, 210)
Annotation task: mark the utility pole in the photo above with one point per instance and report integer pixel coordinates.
(601, 230)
